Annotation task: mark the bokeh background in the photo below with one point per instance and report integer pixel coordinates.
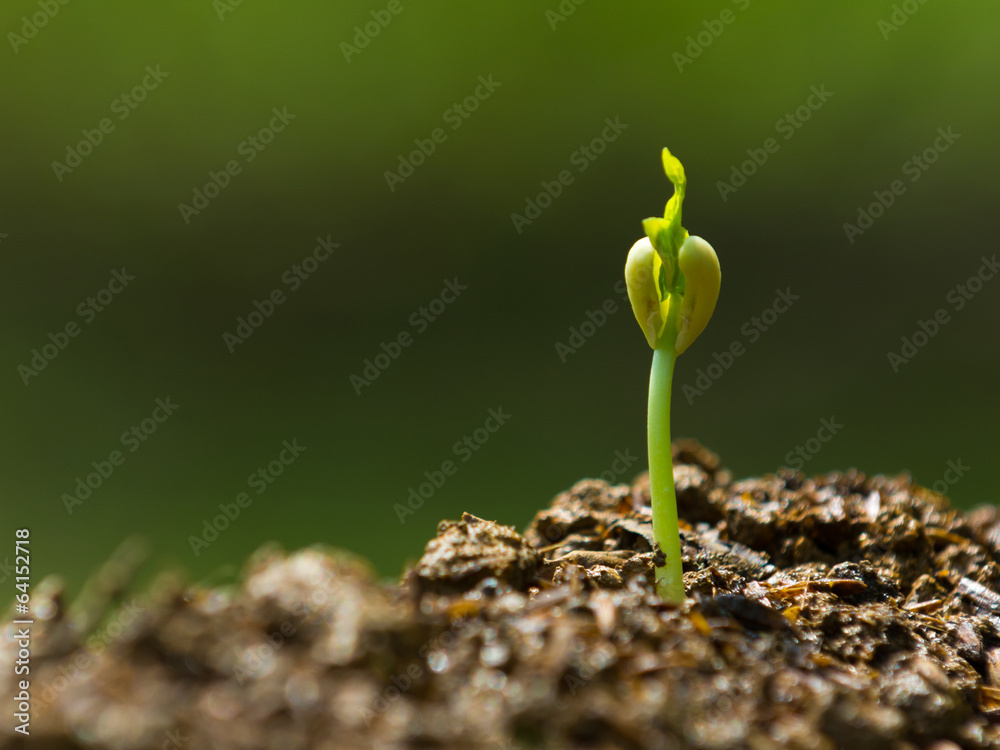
(560, 75)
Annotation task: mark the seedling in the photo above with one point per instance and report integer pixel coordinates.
(673, 284)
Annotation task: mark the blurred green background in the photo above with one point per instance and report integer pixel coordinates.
(560, 76)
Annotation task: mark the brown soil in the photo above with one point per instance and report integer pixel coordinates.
(841, 611)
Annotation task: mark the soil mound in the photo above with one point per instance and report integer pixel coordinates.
(839, 611)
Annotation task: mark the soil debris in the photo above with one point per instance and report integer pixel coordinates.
(838, 611)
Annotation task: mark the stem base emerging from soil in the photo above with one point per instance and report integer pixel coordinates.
(669, 578)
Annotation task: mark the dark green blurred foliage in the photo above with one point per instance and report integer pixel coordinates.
(495, 344)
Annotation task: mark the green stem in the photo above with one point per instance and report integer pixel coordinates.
(669, 578)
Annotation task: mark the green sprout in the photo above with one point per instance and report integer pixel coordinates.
(673, 284)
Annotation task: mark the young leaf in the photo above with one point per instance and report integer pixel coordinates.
(667, 234)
